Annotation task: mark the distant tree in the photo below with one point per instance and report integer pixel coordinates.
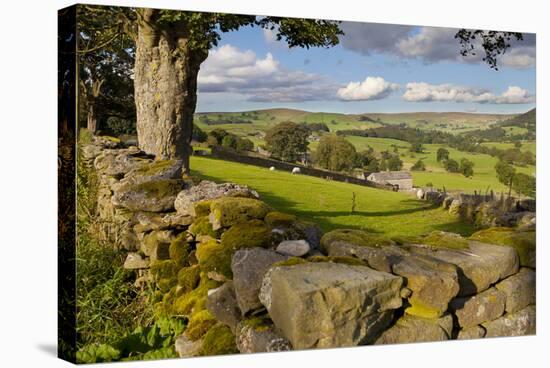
(419, 166)
(373, 166)
(524, 184)
(394, 163)
(230, 141)
(212, 141)
(365, 157)
(466, 167)
(218, 134)
(506, 174)
(335, 153)
(287, 141)
(198, 134)
(451, 165)
(244, 144)
(417, 147)
(442, 154)
(318, 127)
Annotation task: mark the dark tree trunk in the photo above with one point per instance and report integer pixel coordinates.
(165, 81)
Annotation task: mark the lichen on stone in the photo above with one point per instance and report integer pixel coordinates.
(352, 261)
(215, 258)
(289, 262)
(445, 240)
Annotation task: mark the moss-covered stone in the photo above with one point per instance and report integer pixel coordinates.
(228, 211)
(258, 323)
(253, 233)
(422, 310)
(202, 208)
(279, 219)
(179, 250)
(195, 300)
(202, 226)
(219, 340)
(159, 188)
(215, 259)
(524, 242)
(164, 269)
(352, 261)
(155, 167)
(289, 262)
(442, 239)
(356, 237)
(199, 324)
(188, 278)
(156, 245)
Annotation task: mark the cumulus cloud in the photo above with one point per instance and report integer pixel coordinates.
(429, 44)
(424, 92)
(229, 69)
(372, 88)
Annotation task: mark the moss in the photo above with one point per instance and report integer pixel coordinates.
(228, 211)
(159, 188)
(524, 242)
(289, 262)
(420, 309)
(85, 136)
(202, 208)
(199, 324)
(164, 269)
(218, 341)
(202, 226)
(195, 300)
(352, 261)
(254, 233)
(357, 237)
(214, 258)
(155, 167)
(445, 240)
(166, 284)
(258, 323)
(407, 239)
(179, 250)
(112, 139)
(188, 278)
(279, 219)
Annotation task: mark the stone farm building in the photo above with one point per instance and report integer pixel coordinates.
(403, 179)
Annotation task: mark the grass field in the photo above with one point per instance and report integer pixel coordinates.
(328, 203)
(525, 145)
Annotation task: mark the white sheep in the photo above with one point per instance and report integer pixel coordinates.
(296, 170)
(272, 168)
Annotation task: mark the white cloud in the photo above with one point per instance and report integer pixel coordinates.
(228, 69)
(372, 88)
(270, 35)
(424, 92)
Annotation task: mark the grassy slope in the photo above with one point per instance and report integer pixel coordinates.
(525, 145)
(328, 202)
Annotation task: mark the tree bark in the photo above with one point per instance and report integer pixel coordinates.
(165, 81)
(91, 118)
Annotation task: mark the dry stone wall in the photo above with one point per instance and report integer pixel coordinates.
(251, 279)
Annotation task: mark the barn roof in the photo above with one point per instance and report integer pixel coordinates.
(390, 175)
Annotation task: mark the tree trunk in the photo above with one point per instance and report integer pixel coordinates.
(165, 81)
(91, 116)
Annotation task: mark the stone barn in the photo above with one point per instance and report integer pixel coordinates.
(403, 179)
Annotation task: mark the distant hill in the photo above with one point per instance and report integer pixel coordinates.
(525, 120)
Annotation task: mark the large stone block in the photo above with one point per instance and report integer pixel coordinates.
(249, 267)
(222, 303)
(409, 329)
(519, 323)
(434, 283)
(520, 290)
(329, 304)
(483, 307)
(228, 211)
(258, 336)
(150, 196)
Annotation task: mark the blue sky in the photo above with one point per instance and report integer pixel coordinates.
(375, 68)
